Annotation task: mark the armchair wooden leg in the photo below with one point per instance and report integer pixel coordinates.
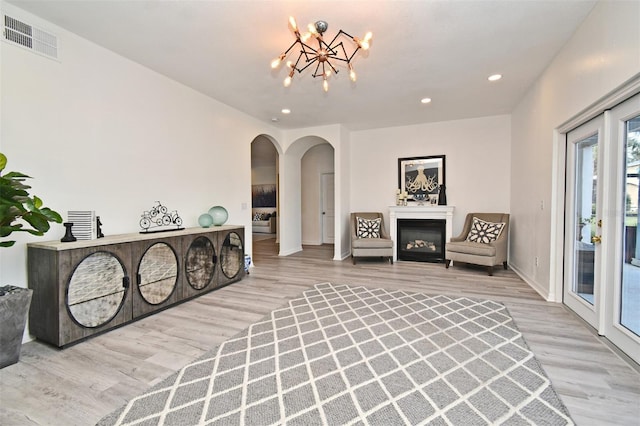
(353, 258)
(447, 262)
(490, 270)
(505, 265)
(391, 260)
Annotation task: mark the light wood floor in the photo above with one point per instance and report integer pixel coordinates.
(81, 384)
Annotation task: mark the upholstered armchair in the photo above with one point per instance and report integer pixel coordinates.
(483, 241)
(369, 238)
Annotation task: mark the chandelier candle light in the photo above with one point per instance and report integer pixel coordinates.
(323, 55)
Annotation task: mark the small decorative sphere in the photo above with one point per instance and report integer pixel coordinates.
(205, 220)
(321, 26)
(219, 215)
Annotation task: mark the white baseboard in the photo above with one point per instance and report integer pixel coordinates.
(290, 251)
(312, 243)
(533, 284)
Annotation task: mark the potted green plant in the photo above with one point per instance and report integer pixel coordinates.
(19, 212)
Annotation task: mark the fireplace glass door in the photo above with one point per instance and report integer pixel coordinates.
(421, 240)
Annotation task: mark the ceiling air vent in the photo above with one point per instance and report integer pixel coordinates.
(30, 37)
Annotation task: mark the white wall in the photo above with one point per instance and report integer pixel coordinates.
(477, 164)
(343, 196)
(315, 162)
(263, 175)
(99, 132)
(264, 158)
(603, 53)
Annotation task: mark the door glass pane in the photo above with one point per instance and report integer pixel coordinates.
(585, 211)
(630, 294)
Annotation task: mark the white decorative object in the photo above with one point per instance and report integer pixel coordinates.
(84, 224)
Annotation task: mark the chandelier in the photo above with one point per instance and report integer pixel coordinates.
(325, 57)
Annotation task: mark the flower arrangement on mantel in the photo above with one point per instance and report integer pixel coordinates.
(19, 210)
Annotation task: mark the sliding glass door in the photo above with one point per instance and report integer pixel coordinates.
(582, 239)
(602, 245)
(630, 262)
(622, 317)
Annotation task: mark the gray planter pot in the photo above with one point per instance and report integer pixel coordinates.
(14, 306)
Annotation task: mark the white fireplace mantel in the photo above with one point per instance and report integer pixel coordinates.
(418, 212)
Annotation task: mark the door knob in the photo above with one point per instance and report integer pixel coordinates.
(596, 239)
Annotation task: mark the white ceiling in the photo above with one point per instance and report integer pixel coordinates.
(444, 50)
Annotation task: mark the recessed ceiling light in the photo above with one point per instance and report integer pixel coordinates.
(495, 77)
(286, 111)
(274, 119)
(425, 100)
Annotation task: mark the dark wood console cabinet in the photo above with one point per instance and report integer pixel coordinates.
(87, 287)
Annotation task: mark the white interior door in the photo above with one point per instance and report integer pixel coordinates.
(328, 208)
(582, 218)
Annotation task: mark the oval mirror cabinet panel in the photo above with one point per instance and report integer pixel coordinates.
(231, 255)
(157, 273)
(95, 292)
(200, 263)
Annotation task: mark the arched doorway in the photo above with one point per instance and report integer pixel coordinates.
(264, 188)
(301, 168)
(317, 195)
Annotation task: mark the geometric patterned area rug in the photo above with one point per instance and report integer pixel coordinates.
(341, 355)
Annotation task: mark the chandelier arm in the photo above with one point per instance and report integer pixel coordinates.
(321, 45)
(339, 59)
(333, 40)
(349, 58)
(308, 50)
(353, 54)
(309, 62)
(330, 49)
(291, 47)
(315, 73)
(295, 66)
(345, 33)
(311, 56)
(332, 67)
(336, 53)
(338, 35)
(357, 45)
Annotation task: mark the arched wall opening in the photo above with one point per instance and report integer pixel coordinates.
(265, 162)
(302, 165)
(318, 195)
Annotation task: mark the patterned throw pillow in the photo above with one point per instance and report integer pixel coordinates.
(484, 232)
(257, 217)
(368, 228)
